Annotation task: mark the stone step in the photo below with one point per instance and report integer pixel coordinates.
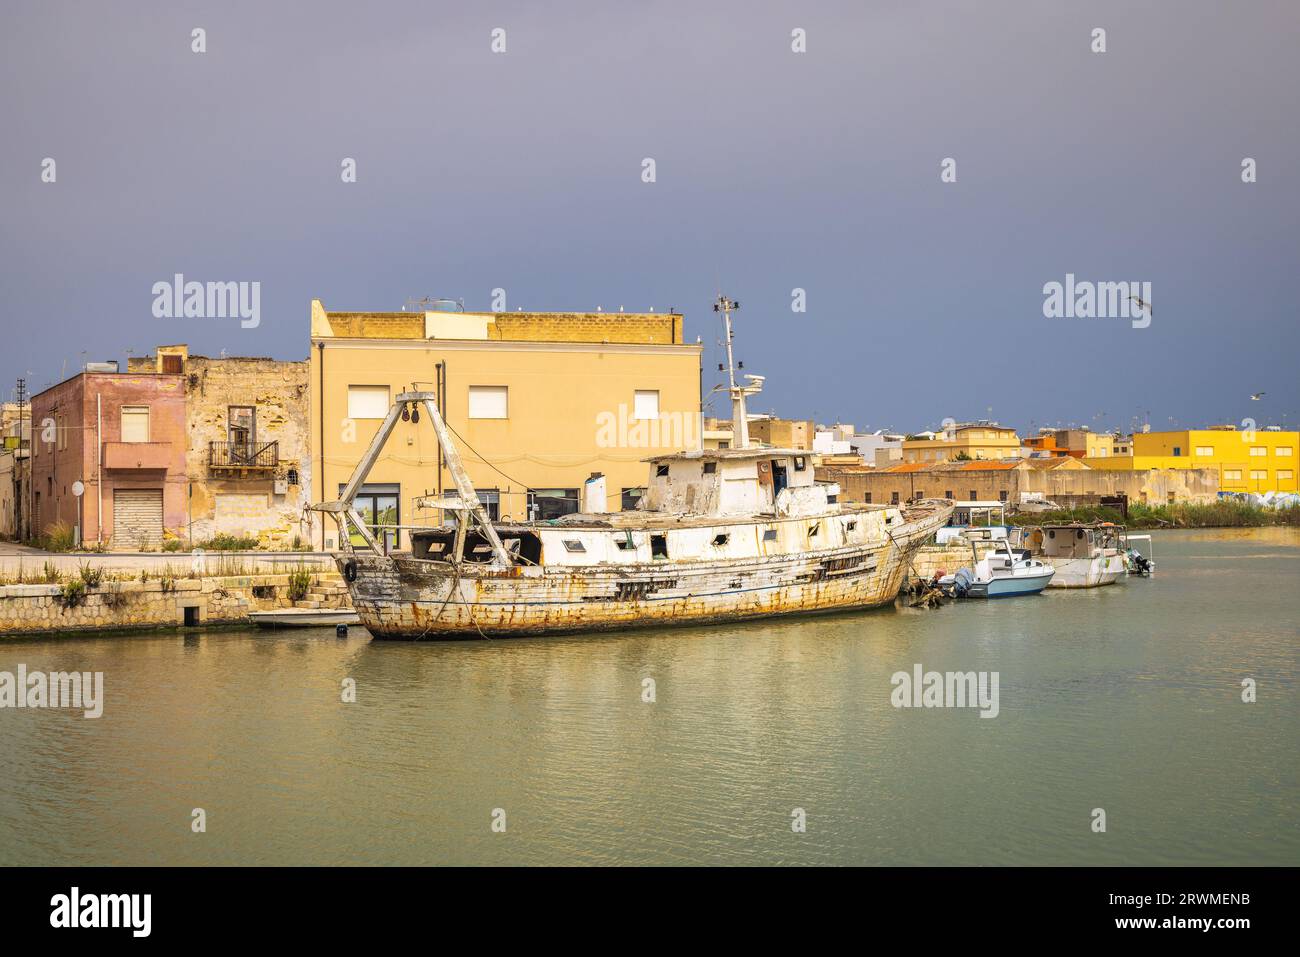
(306, 603)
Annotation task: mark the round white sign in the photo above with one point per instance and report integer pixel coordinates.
(77, 489)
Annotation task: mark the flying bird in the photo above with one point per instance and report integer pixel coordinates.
(1142, 304)
(1256, 396)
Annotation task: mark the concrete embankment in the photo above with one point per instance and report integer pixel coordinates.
(943, 559)
(99, 593)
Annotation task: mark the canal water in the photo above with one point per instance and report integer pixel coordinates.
(1127, 699)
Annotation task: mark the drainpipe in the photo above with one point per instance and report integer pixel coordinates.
(320, 352)
(99, 468)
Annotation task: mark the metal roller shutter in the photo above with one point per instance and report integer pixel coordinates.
(137, 518)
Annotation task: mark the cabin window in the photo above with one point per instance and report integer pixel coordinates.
(814, 529)
(658, 546)
(850, 526)
(631, 498)
(769, 535)
(721, 540)
(573, 545)
(1178, 450)
(800, 463)
(661, 471)
(625, 544)
(710, 468)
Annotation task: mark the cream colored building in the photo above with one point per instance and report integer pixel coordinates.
(977, 441)
(537, 403)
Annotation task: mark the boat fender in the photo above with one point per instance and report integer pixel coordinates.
(350, 570)
(340, 631)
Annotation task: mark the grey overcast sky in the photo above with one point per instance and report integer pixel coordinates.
(774, 170)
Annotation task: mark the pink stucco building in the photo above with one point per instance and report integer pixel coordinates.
(122, 435)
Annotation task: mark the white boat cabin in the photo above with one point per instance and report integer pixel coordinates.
(726, 482)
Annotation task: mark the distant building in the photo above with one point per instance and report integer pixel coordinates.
(1066, 481)
(971, 440)
(1264, 460)
(782, 433)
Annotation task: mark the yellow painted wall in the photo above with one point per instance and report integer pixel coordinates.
(978, 442)
(1229, 451)
(563, 421)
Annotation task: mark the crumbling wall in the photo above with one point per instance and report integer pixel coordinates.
(266, 504)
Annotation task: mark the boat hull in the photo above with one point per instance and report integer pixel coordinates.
(1086, 572)
(413, 599)
(1010, 587)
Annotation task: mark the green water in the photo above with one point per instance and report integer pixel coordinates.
(1125, 698)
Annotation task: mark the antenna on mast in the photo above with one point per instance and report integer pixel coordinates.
(739, 418)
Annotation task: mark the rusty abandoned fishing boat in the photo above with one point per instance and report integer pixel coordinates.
(720, 535)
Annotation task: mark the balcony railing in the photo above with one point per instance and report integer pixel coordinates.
(243, 455)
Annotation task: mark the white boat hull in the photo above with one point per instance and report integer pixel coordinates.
(1086, 572)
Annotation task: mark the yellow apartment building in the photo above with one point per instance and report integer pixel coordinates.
(538, 402)
(980, 440)
(1259, 461)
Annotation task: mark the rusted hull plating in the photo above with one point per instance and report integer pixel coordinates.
(401, 598)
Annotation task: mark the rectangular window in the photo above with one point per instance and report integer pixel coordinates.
(769, 534)
(1178, 450)
(948, 494)
(549, 503)
(367, 401)
(573, 545)
(491, 500)
(972, 496)
(800, 463)
(487, 402)
(1284, 451)
(893, 498)
(661, 471)
(135, 423)
(1259, 474)
(1002, 495)
(1205, 450)
(631, 498)
(1258, 450)
(867, 498)
(1232, 475)
(710, 468)
(920, 493)
(1285, 475)
(658, 546)
(645, 404)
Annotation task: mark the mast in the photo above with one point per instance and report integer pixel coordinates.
(739, 417)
